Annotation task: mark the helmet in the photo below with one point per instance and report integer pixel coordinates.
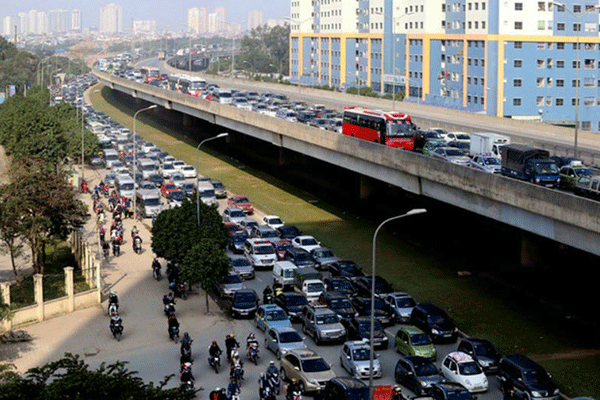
(262, 374)
(397, 389)
(214, 342)
(272, 362)
(186, 334)
(112, 293)
(218, 389)
(294, 380)
(222, 389)
(251, 335)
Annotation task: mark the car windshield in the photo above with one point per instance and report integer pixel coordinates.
(264, 250)
(582, 172)
(275, 221)
(309, 242)
(241, 200)
(177, 195)
(283, 246)
(237, 214)
(454, 153)
(277, 315)
(491, 161)
(250, 224)
(233, 279)
(315, 287)
(546, 168)
(426, 369)
(239, 238)
(245, 298)
(315, 365)
(405, 302)
(289, 337)
(324, 253)
(289, 231)
(303, 257)
(459, 394)
(362, 354)
(420, 339)
(240, 262)
(469, 368)
(364, 326)
(152, 201)
(269, 233)
(327, 319)
(341, 285)
(340, 303)
(298, 300)
(484, 349)
(536, 376)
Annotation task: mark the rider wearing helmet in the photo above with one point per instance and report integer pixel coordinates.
(230, 344)
(186, 340)
(262, 384)
(292, 388)
(233, 389)
(214, 350)
(115, 319)
(397, 393)
(113, 299)
(250, 341)
(272, 368)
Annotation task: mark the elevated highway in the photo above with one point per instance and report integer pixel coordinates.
(556, 215)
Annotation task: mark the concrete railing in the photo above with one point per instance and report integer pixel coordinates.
(42, 310)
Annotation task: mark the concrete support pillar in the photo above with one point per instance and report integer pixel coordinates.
(98, 282)
(69, 287)
(529, 251)
(365, 188)
(5, 292)
(187, 120)
(283, 157)
(38, 295)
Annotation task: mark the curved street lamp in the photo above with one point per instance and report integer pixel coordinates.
(220, 135)
(153, 106)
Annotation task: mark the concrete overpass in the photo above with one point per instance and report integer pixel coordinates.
(556, 215)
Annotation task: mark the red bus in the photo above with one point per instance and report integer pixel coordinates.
(391, 128)
(150, 73)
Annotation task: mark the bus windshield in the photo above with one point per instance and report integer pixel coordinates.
(399, 130)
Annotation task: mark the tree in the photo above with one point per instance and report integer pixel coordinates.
(205, 264)
(5, 313)
(10, 234)
(71, 378)
(47, 205)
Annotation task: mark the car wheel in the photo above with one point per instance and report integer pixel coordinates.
(301, 385)
(304, 329)
(317, 339)
(278, 355)
(283, 375)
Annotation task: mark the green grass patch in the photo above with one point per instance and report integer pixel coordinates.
(58, 256)
(476, 310)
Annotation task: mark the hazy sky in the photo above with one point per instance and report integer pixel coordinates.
(167, 13)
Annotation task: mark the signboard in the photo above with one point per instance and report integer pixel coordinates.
(12, 90)
(382, 392)
(398, 79)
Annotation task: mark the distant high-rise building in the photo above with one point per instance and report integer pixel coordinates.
(59, 21)
(42, 23)
(7, 28)
(76, 20)
(22, 23)
(221, 21)
(144, 26)
(271, 23)
(212, 23)
(254, 19)
(32, 22)
(111, 18)
(193, 20)
(203, 20)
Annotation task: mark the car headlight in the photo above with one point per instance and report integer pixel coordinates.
(435, 331)
(313, 381)
(536, 394)
(556, 392)
(423, 383)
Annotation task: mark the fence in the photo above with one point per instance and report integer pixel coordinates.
(42, 310)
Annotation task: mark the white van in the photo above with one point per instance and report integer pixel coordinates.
(110, 156)
(122, 142)
(148, 202)
(206, 192)
(222, 96)
(147, 167)
(260, 252)
(284, 272)
(124, 186)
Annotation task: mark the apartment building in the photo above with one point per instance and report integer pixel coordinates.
(523, 59)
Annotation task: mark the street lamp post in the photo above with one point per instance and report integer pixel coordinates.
(220, 135)
(414, 211)
(153, 106)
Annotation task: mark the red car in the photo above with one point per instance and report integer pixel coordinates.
(232, 227)
(242, 202)
(167, 188)
(280, 248)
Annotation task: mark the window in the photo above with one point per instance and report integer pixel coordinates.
(560, 83)
(518, 45)
(560, 26)
(517, 101)
(576, 64)
(541, 63)
(540, 82)
(559, 102)
(589, 101)
(541, 25)
(539, 101)
(576, 8)
(518, 25)
(574, 101)
(560, 46)
(560, 63)
(518, 6)
(575, 82)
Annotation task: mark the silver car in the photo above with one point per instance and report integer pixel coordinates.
(220, 190)
(243, 267)
(401, 304)
(281, 339)
(487, 164)
(452, 155)
(355, 357)
(233, 283)
(323, 257)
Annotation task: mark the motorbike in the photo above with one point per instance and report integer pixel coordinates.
(186, 350)
(117, 331)
(238, 373)
(182, 290)
(268, 298)
(188, 385)
(215, 362)
(137, 246)
(297, 395)
(274, 382)
(253, 353)
(116, 249)
(268, 394)
(169, 309)
(104, 190)
(174, 334)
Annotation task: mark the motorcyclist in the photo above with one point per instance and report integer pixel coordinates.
(116, 244)
(292, 388)
(168, 299)
(214, 350)
(230, 344)
(262, 384)
(267, 295)
(135, 231)
(115, 320)
(250, 341)
(186, 342)
(233, 389)
(236, 363)
(106, 248)
(156, 264)
(186, 372)
(214, 395)
(272, 369)
(173, 325)
(113, 299)
(397, 393)
(136, 242)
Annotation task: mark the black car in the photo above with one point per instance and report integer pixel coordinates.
(364, 284)
(346, 389)
(339, 284)
(449, 391)
(525, 379)
(345, 268)
(244, 303)
(292, 303)
(359, 328)
(421, 137)
(288, 232)
(338, 303)
(383, 314)
(306, 116)
(157, 179)
(435, 322)
(482, 351)
(300, 257)
(464, 146)
(417, 373)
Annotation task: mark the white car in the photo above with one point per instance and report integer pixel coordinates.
(272, 221)
(457, 136)
(188, 171)
(305, 242)
(178, 164)
(460, 367)
(178, 179)
(487, 164)
(167, 170)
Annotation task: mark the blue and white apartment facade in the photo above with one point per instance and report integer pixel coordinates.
(508, 58)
